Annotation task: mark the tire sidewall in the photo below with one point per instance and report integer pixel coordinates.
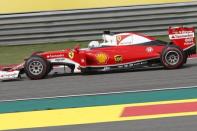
(178, 51)
(44, 70)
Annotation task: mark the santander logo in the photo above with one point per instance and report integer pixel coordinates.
(55, 56)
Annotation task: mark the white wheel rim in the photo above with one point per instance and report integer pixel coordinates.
(35, 67)
(172, 57)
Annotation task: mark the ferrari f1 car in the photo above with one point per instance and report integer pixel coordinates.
(119, 51)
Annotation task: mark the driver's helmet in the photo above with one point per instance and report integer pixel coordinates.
(93, 44)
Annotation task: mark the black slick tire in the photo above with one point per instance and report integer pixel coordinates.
(36, 67)
(172, 57)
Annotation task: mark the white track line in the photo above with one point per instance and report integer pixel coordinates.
(107, 93)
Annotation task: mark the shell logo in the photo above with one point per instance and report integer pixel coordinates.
(101, 58)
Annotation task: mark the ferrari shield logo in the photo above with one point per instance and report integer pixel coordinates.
(101, 58)
(119, 38)
(71, 54)
(118, 58)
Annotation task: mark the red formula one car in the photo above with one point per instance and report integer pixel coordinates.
(119, 51)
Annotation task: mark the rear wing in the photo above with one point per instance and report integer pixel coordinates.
(184, 37)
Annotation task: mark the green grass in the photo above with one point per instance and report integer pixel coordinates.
(16, 54)
(164, 38)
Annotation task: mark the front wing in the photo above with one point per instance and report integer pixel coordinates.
(9, 75)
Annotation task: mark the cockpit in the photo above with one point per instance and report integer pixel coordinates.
(120, 39)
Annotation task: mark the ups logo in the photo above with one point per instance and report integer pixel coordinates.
(118, 58)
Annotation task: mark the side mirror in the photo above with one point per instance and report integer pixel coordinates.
(76, 48)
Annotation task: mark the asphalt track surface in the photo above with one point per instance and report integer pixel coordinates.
(63, 85)
(109, 82)
(165, 124)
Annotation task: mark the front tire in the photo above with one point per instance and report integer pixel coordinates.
(172, 57)
(36, 67)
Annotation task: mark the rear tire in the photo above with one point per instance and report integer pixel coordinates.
(172, 57)
(36, 67)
